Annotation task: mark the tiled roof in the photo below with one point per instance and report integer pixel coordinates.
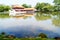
(17, 6)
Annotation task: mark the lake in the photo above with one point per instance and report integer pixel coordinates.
(31, 25)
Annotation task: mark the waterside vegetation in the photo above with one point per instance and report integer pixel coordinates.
(41, 36)
(40, 7)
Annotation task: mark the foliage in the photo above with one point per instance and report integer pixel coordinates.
(4, 8)
(38, 6)
(42, 35)
(57, 4)
(3, 36)
(44, 7)
(26, 6)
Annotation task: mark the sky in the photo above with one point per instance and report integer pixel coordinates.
(20, 2)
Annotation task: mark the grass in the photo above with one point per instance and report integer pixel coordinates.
(26, 39)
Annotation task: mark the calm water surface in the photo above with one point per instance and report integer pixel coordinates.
(31, 25)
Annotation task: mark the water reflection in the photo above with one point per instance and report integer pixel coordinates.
(26, 16)
(30, 25)
(56, 21)
(4, 15)
(41, 16)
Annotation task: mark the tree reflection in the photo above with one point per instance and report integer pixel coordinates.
(4, 15)
(56, 21)
(42, 16)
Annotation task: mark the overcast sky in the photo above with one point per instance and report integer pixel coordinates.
(30, 2)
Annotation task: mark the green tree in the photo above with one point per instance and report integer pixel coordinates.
(2, 35)
(1, 8)
(26, 6)
(57, 4)
(7, 8)
(42, 35)
(4, 8)
(43, 7)
(38, 6)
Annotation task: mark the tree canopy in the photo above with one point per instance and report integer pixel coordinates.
(57, 4)
(44, 7)
(26, 6)
(4, 8)
(42, 35)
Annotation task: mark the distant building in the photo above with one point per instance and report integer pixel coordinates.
(20, 10)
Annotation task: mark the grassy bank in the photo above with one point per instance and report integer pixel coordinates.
(4, 36)
(4, 15)
(26, 39)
